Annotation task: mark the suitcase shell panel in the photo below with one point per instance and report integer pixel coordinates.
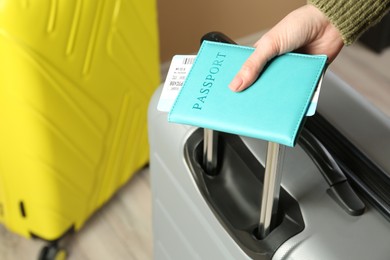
(74, 90)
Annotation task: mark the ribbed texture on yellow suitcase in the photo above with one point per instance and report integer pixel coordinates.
(76, 77)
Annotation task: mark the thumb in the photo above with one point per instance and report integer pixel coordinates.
(266, 49)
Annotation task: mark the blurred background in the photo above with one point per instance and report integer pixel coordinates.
(182, 23)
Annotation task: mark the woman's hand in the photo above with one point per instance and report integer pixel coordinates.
(305, 30)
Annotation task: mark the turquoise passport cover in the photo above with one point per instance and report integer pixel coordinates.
(272, 109)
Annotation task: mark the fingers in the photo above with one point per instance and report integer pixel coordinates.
(250, 70)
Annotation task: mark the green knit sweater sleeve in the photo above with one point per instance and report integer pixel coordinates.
(352, 17)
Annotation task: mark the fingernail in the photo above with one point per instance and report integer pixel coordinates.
(235, 84)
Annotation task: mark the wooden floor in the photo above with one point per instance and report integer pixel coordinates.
(122, 229)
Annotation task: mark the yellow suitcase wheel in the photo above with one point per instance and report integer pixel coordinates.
(52, 252)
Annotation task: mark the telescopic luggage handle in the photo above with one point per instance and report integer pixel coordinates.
(271, 188)
(339, 190)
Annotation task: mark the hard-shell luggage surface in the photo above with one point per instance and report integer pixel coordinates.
(328, 207)
(75, 81)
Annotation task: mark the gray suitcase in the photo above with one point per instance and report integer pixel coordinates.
(197, 215)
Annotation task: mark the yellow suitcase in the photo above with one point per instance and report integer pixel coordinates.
(76, 77)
